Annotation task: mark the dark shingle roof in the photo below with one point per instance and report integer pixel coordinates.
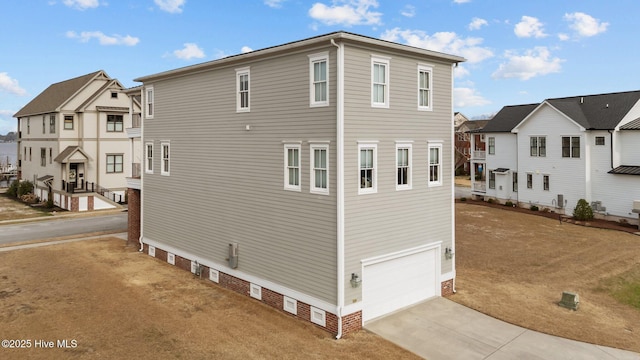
(626, 170)
(508, 117)
(55, 95)
(597, 112)
(632, 125)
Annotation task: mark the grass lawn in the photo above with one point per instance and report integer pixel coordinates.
(12, 209)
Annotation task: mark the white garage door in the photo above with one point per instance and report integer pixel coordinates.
(398, 282)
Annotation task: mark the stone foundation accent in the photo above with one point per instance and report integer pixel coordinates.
(446, 288)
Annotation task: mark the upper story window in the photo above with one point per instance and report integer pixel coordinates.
(44, 126)
(148, 168)
(52, 124)
(424, 87)
(115, 123)
(403, 166)
(318, 70)
(242, 90)
(68, 122)
(43, 157)
(599, 140)
(319, 168)
(292, 167)
(571, 146)
(435, 164)
(149, 102)
(28, 125)
(379, 82)
(492, 145)
(367, 164)
(164, 168)
(538, 146)
(114, 163)
(114, 95)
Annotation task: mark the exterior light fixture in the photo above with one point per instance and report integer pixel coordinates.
(355, 280)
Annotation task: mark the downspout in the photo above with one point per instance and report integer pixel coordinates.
(340, 179)
(143, 146)
(453, 192)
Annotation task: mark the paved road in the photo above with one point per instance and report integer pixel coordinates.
(43, 229)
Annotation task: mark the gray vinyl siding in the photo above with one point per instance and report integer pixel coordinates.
(390, 220)
(226, 184)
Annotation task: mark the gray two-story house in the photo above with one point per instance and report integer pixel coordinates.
(315, 176)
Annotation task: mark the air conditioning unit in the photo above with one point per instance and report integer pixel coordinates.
(597, 206)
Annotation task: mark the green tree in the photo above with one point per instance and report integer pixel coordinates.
(583, 211)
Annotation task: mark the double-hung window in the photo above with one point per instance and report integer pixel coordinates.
(571, 146)
(115, 123)
(529, 181)
(52, 124)
(43, 157)
(148, 168)
(403, 166)
(599, 140)
(435, 164)
(68, 122)
(292, 167)
(424, 87)
(319, 168)
(319, 79)
(114, 163)
(367, 164)
(380, 82)
(545, 182)
(514, 181)
(166, 158)
(492, 179)
(538, 146)
(492, 145)
(242, 90)
(149, 102)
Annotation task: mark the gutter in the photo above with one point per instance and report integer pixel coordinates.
(340, 180)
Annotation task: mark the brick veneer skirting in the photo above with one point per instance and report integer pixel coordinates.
(447, 288)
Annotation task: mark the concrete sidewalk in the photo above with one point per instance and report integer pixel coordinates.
(440, 329)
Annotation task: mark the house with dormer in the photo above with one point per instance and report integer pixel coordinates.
(72, 142)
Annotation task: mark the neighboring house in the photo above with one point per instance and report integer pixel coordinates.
(463, 134)
(315, 176)
(459, 119)
(72, 144)
(565, 149)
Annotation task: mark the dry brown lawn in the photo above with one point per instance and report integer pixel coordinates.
(11, 209)
(515, 266)
(117, 303)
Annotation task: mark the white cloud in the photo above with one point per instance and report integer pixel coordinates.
(7, 122)
(274, 3)
(446, 42)
(408, 11)
(115, 39)
(461, 1)
(189, 51)
(82, 4)
(563, 37)
(346, 12)
(529, 27)
(170, 6)
(246, 49)
(468, 97)
(585, 25)
(535, 62)
(477, 23)
(7, 84)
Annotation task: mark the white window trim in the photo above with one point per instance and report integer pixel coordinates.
(146, 157)
(439, 182)
(527, 180)
(286, 169)
(312, 173)
(429, 69)
(239, 72)
(162, 170)
(146, 102)
(324, 56)
(368, 145)
(548, 185)
(405, 145)
(385, 61)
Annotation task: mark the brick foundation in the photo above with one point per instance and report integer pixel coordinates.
(351, 322)
(133, 217)
(75, 204)
(446, 288)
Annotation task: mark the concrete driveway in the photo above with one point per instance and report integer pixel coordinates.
(440, 329)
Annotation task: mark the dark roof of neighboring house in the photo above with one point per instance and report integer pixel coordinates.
(508, 117)
(597, 112)
(626, 170)
(55, 95)
(633, 125)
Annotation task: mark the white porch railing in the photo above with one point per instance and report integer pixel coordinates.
(479, 155)
(480, 186)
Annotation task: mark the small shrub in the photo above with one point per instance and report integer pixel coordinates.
(490, 201)
(25, 188)
(623, 222)
(534, 208)
(546, 210)
(583, 211)
(463, 199)
(13, 189)
(508, 203)
(49, 203)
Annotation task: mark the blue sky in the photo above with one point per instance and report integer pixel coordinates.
(518, 51)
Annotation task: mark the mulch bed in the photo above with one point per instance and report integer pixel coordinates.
(596, 223)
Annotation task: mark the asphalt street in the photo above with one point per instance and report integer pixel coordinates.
(44, 229)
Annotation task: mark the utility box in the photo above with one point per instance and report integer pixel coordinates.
(569, 300)
(560, 201)
(233, 255)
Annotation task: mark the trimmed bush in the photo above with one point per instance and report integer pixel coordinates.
(490, 201)
(583, 211)
(534, 208)
(508, 203)
(13, 189)
(25, 187)
(463, 199)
